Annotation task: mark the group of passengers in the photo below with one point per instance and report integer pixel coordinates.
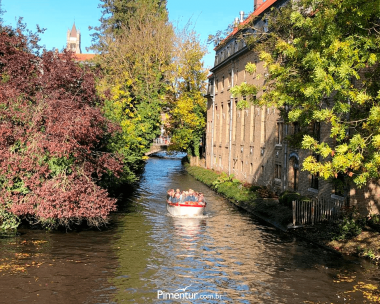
(176, 196)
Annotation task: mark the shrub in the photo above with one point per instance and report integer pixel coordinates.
(287, 197)
(350, 225)
(52, 147)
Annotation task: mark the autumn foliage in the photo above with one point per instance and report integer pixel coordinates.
(51, 139)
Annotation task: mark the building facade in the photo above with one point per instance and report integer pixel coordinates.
(250, 143)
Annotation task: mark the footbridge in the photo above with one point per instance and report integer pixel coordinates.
(159, 144)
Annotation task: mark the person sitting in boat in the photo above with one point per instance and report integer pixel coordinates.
(176, 199)
(191, 197)
(196, 195)
(171, 195)
(184, 197)
(201, 199)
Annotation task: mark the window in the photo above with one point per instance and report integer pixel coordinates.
(265, 25)
(277, 171)
(314, 183)
(242, 124)
(241, 166)
(221, 124)
(317, 130)
(251, 168)
(263, 126)
(215, 125)
(220, 161)
(293, 173)
(228, 120)
(279, 133)
(339, 185)
(296, 128)
(252, 125)
(222, 84)
(234, 122)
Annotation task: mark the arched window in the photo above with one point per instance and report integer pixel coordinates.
(293, 172)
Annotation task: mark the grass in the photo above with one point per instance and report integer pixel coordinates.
(360, 237)
(247, 197)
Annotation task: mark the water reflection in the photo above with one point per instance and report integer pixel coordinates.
(226, 253)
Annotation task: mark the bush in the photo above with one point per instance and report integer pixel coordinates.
(52, 146)
(374, 221)
(350, 226)
(287, 197)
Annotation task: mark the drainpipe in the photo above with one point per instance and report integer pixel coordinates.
(212, 122)
(231, 112)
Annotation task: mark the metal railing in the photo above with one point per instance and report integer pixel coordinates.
(315, 211)
(163, 140)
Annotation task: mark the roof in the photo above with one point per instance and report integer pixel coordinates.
(256, 13)
(83, 57)
(73, 32)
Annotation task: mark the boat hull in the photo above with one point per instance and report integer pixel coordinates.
(185, 209)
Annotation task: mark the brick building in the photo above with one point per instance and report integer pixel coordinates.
(249, 143)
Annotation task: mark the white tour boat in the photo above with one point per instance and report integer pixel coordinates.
(185, 208)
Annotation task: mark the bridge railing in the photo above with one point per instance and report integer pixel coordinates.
(163, 140)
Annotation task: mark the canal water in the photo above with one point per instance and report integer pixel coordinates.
(227, 256)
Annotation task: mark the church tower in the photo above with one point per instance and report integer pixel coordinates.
(73, 40)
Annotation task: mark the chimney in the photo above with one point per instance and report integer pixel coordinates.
(236, 22)
(257, 4)
(241, 16)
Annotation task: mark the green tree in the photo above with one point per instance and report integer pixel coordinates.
(187, 115)
(135, 43)
(322, 58)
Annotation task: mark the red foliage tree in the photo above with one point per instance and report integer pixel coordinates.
(51, 138)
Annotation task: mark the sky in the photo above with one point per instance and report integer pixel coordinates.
(206, 16)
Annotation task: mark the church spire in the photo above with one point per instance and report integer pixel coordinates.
(73, 32)
(73, 40)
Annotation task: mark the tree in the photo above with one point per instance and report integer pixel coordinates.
(1, 15)
(51, 139)
(134, 42)
(187, 115)
(322, 58)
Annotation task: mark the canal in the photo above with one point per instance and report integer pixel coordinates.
(227, 256)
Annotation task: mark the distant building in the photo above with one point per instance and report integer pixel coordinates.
(73, 43)
(73, 40)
